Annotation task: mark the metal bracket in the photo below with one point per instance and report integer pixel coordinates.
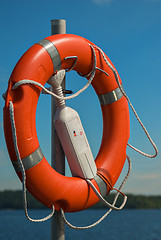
(65, 91)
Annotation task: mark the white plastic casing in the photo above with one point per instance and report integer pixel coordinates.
(74, 142)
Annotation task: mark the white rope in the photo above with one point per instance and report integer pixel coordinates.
(133, 109)
(104, 201)
(11, 111)
(28, 81)
(108, 212)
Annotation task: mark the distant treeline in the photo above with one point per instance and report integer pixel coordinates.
(14, 200)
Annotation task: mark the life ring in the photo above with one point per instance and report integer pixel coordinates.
(39, 63)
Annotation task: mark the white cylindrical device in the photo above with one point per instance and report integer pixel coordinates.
(74, 142)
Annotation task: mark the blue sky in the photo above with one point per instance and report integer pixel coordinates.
(129, 32)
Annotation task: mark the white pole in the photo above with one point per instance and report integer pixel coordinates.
(57, 155)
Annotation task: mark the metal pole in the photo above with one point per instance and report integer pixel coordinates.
(58, 26)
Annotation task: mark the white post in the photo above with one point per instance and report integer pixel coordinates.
(57, 154)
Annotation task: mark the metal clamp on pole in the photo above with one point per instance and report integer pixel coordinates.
(57, 154)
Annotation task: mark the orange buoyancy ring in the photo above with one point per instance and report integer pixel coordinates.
(39, 63)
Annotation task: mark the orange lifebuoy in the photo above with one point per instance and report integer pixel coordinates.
(39, 63)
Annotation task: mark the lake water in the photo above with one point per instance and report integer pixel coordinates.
(126, 224)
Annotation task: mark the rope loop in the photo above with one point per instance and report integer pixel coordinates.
(107, 204)
(14, 135)
(108, 212)
(133, 109)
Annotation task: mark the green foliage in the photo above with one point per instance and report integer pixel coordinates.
(143, 202)
(14, 200)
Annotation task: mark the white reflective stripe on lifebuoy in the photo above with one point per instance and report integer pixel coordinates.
(29, 161)
(110, 97)
(53, 52)
(102, 185)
